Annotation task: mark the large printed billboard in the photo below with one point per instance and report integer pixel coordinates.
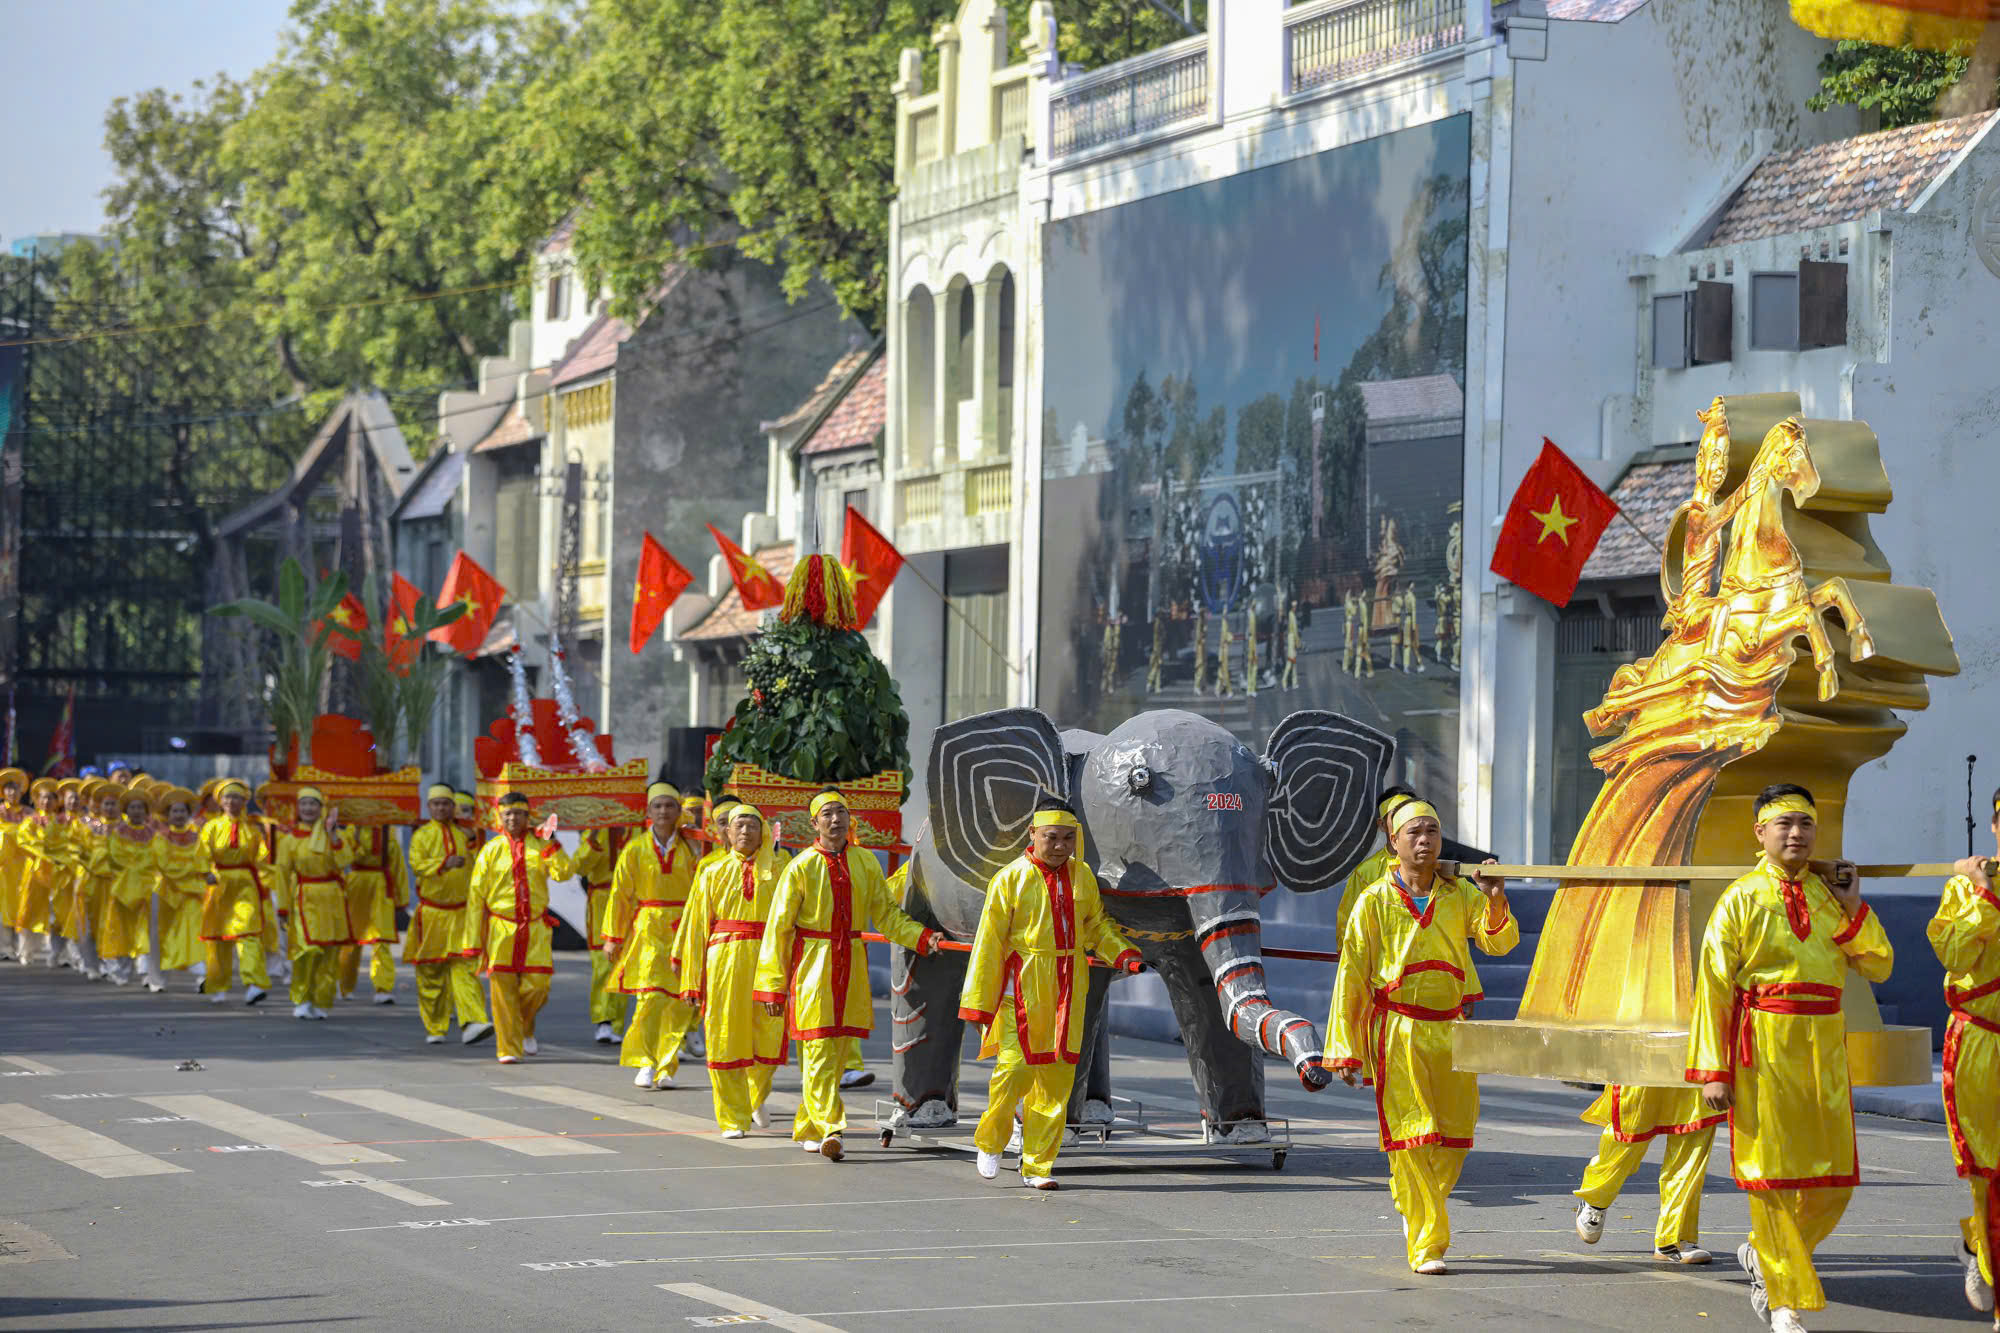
(1253, 445)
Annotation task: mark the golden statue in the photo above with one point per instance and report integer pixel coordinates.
(1722, 707)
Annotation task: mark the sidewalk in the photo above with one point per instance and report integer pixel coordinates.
(1911, 1103)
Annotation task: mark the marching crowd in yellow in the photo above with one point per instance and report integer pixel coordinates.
(734, 954)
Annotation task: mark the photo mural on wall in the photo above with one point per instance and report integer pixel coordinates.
(1253, 449)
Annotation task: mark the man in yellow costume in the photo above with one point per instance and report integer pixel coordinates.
(444, 935)
(313, 860)
(234, 911)
(812, 953)
(476, 829)
(1965, 934)
(596, 857)
(1767, 1043)
(126, 931)
(1632, 1118)
(14, 812)
(377, 884)
(716, 953)
(1042, 913)
(180, 863)
(1377, 863)
(510, 892)
(649, 889)
(1405, 977)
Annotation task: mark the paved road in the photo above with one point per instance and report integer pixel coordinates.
(344, 1175)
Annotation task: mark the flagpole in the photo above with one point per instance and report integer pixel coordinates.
(976, 631)
(1661, 550)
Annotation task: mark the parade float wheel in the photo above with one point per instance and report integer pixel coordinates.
(1278, 1160)
(887, 1135)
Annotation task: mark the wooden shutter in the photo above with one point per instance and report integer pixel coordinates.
(1712, 323)
(1822, 303)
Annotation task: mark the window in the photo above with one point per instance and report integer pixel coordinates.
(1006, 338)
(1670, 344)
(1774, 311)
(558, 302)
(1711, 323)
(975, 625)
(857, 501)
(919, 380)
(1822, 303)
(517, 514)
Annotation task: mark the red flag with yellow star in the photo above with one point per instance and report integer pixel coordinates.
(661, 579)
(872, 559)
(348, 620)
(1551, 527)
(480, 594)
(756, 585)
(398, 644)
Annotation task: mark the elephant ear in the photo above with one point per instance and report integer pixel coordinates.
(986, 773)
(1321, 816)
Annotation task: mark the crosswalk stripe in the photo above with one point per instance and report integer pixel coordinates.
(468, 1124)
(389, 1189)
(255, 1127)
(32, 1066)
(84, 1149)
(743, 1305)
(655, 1117)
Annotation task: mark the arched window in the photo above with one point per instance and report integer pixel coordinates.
(919, 380)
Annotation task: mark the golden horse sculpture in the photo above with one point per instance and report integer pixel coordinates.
(1724, 706)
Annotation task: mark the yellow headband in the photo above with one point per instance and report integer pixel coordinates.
(1055, 819)
(231, 785)
(439, 791)
(310, 794)
(659, 789)
(822, 801)
(1388, 803)
(1792, 804)
(687, 801)
(1408, 811)
(743, 810)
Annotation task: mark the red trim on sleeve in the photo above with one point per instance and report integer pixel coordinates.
(1709, 1076)
(548, 850)
(766, 997)
(979, 1016)
(1349, 1063)
(1854, 925)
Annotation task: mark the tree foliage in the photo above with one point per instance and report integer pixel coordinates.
(1904, 84)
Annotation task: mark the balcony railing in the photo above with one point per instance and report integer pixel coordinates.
(1010, 102)
(1153, 92)
(989, 490)
(926, 128)
(1357, 37)
(921, 499)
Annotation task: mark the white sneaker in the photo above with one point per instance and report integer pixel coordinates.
(510, 1059)
(1683, 1254)
(809, 1145)
(321, 1014)
(605, 1036)
(255, 995)
(156, 988)
(531, 1046)
(1433, 1268)
(1589, 1222)
(644, 1078)
(301, 1011)
(1978, 1291)
(220, 997)
(1040, 1182)
(664, 1082)
(384, 997)
(475, 1034)
(434, 1039)
(733, 1134)
(856, 1078)
(989, 1164)
(1760, 1299)
(760, 1119)
(1784, 1319)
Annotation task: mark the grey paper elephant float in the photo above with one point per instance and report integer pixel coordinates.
(1186, 828)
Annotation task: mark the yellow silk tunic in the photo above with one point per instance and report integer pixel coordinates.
(13, 863)
(1405, 977)
(1639, 1115)
(182, 867)
(812, 943)
(312, 874)
(649, 889)
(510, 893)
(1359, 881)
(1767, 1018)
(596, 858)
(40, 864)
(377, 884)
(715, 955)
(1965, 934)
(1033, 932)
(91, 855)
(234, 907)
(441, 929)
(128, 850)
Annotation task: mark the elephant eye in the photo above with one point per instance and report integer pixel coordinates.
(1139, 779)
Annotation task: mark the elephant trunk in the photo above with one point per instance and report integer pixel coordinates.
(1228, 930)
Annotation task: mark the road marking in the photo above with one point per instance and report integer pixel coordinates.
(254, 1127)
(990, 1196)
(31, 1066)
(470, 1124)
(84, 1149)
(743, 1305)
(617, 1108)
(388, 1189)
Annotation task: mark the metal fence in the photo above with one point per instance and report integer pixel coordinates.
(1154, 92)
(1362, 36)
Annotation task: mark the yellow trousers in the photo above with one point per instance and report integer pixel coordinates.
(441, 987)
(821, 1113)
(1419, 1181)
(381, 968)
(850, 1057)
(313, 977)
(1786, 1226)
(1681, 1177)
(659, 1025)
(738, 1093)
(1981, 1229)
(248, 956)
(607, 1005)
(517, 998)
(1042, 1093)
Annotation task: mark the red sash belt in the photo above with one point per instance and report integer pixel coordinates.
(661, 902)
(1416, 1011)
(1958, 999)
(828, 934)
(321, 879)
(727, 929)
(1808, 999)
(442, 907)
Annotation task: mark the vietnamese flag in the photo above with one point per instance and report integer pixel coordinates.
(661, 579)
(755, 584)
(480, 594)
(398, 644)
(873, 562)
(347, 621)
(1551, 527)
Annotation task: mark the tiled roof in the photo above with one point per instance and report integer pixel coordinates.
(727, 619)
(514, 428)
(1594, 11)
(432, 494)
(1648, 493)
(858, 418)
(1425, 398)
(1841, 181)
(827, 389)
(595, 349)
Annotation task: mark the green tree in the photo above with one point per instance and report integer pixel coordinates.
(1260, 433)
(1903, 84)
